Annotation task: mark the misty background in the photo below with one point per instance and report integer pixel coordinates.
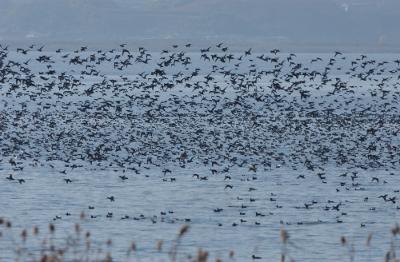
(298, 25)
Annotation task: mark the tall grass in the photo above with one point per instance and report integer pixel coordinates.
(36, 245)
(78, 246)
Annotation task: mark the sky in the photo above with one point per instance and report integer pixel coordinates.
(293, 24)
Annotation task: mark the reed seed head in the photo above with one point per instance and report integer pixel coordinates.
(82, 216)
(159, 245)
(108, 257)
(77, 228)
(35, 231)
(202, 256)
(51, 228)
(183, 230)
(24, 235)
(396, 230)
(133, 246)
(369, 239)
(48, 258)
(284, 235)
(343, 240)
(109, 243)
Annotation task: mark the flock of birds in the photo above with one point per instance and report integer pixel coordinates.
(127, 110)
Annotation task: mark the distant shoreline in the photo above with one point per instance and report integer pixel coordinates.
(235, 45)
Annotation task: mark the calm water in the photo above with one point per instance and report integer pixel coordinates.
(246, 217)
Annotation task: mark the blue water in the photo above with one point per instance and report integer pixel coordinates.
(38, 137)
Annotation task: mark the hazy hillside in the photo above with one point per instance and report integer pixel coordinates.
(332, 22)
